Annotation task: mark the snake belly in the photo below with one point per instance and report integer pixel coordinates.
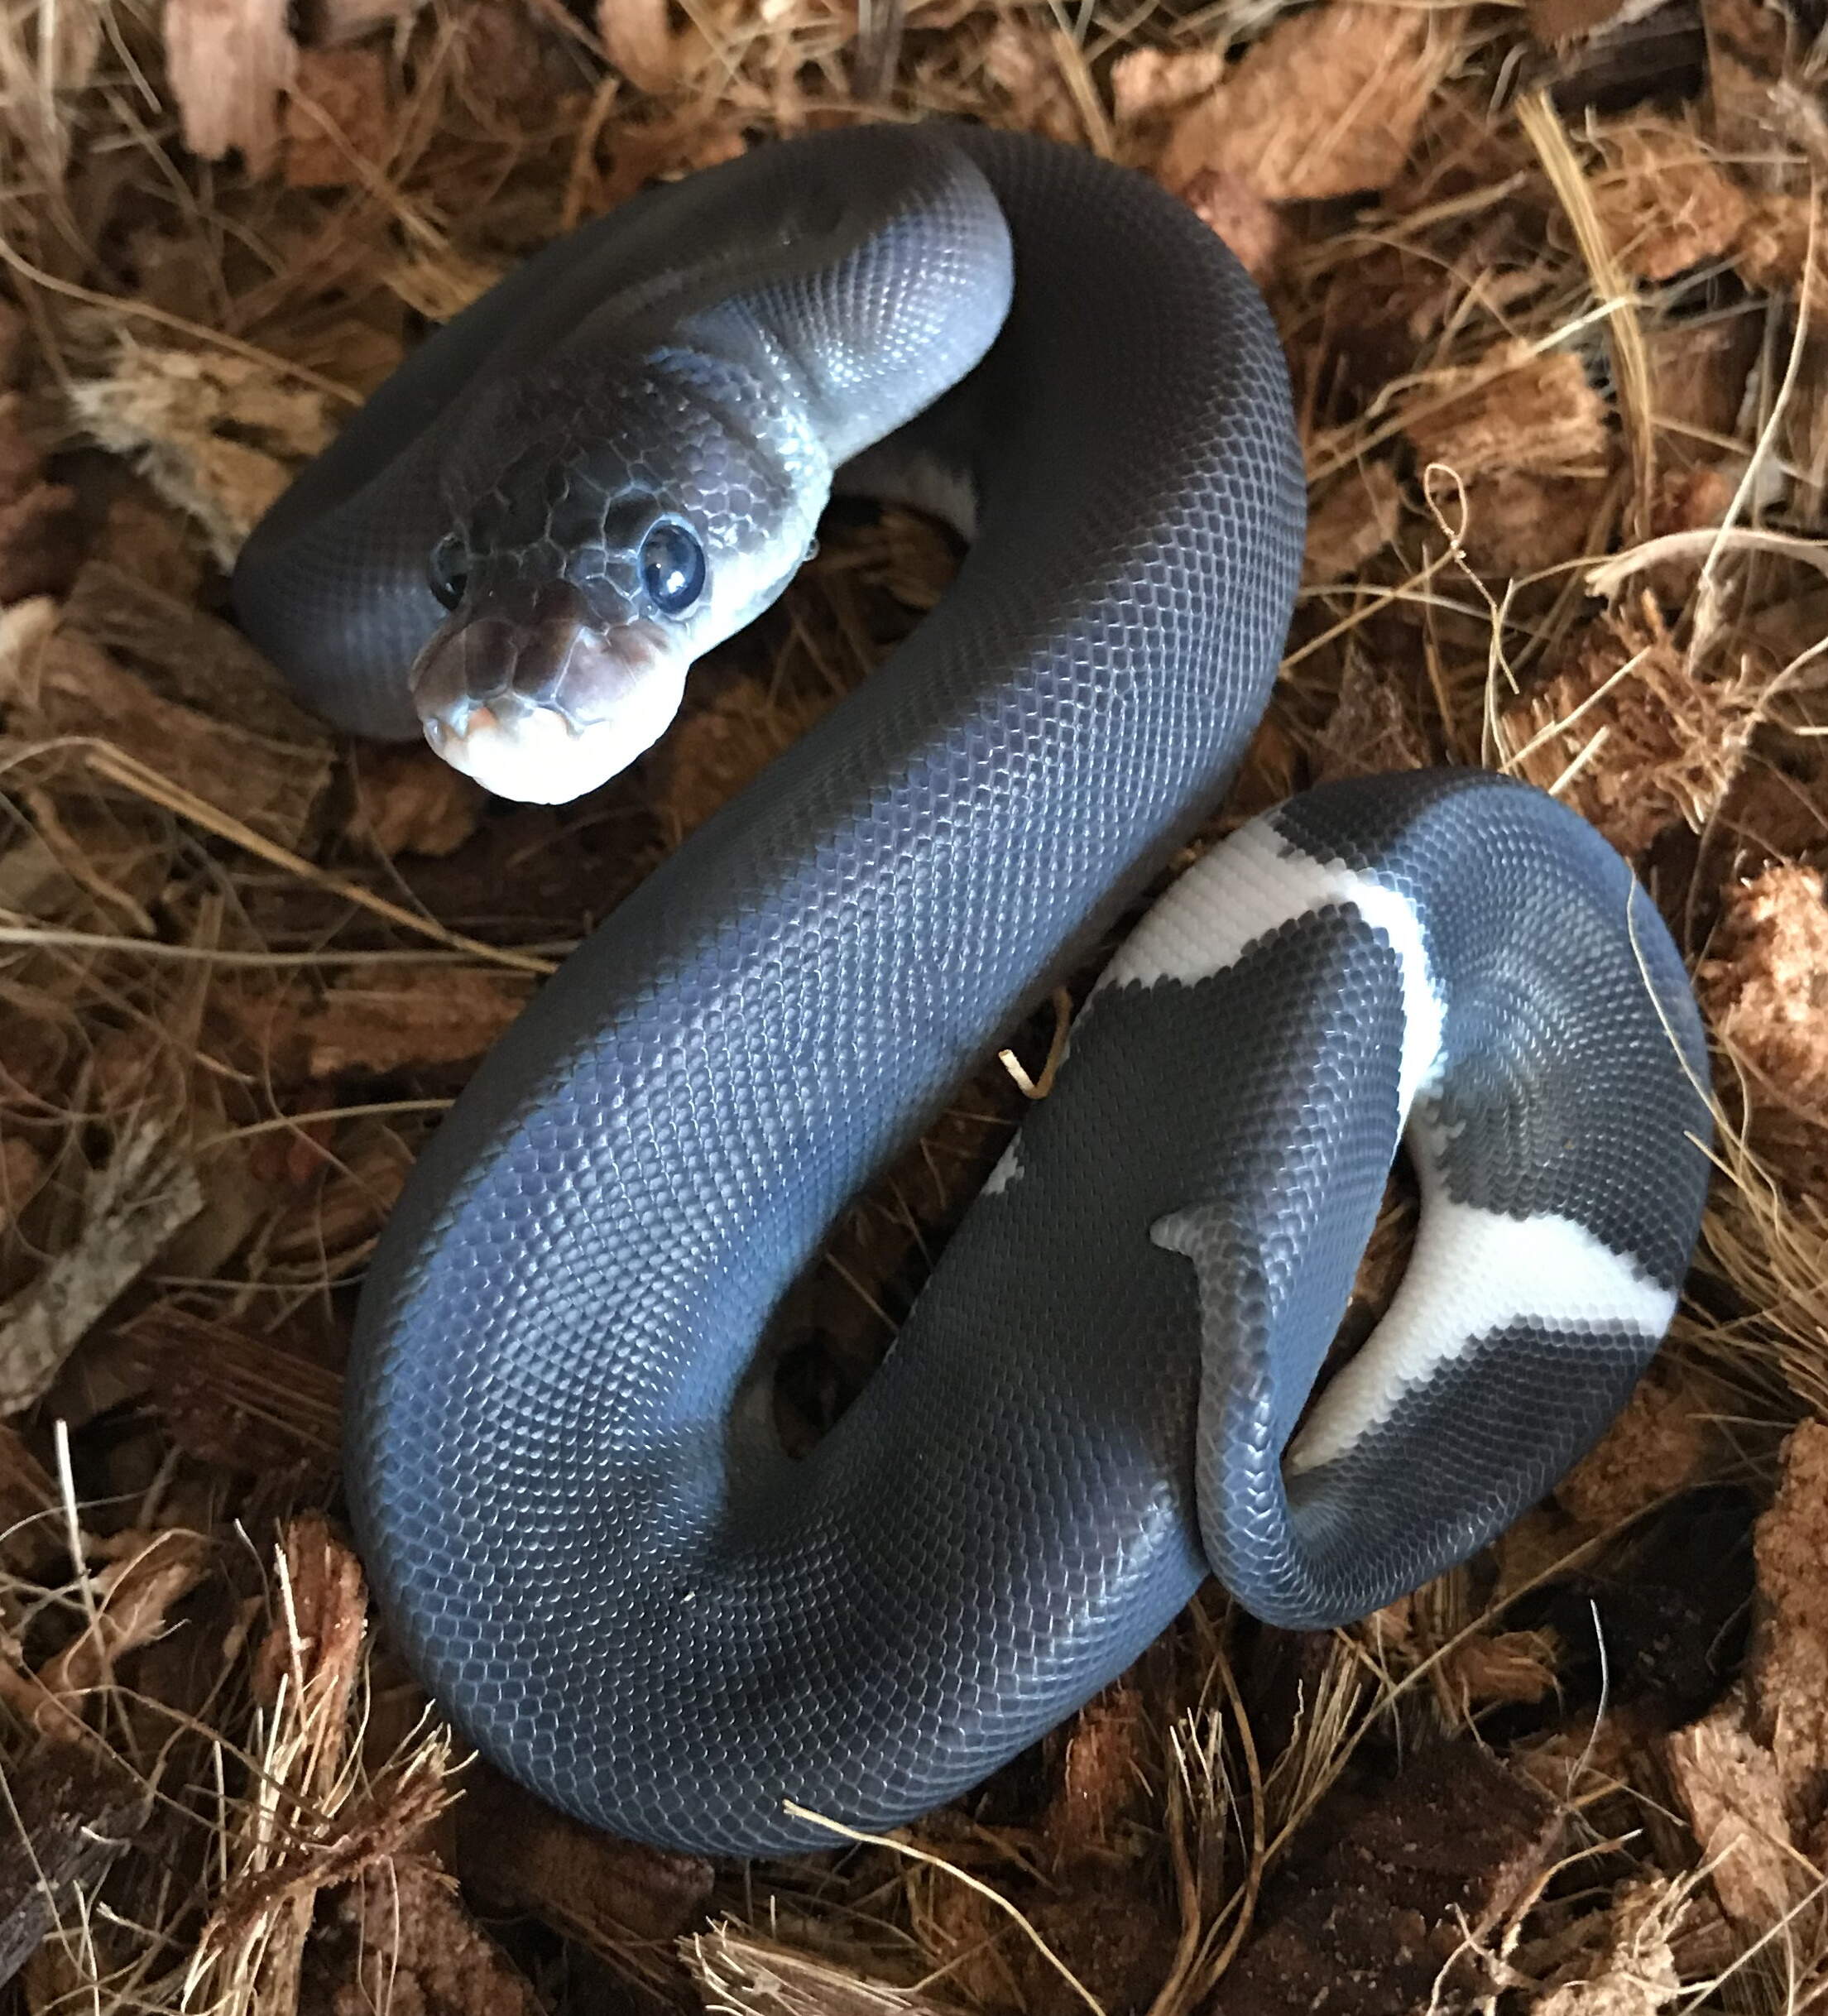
(560, 1463)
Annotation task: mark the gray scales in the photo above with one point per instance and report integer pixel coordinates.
(576, 1516)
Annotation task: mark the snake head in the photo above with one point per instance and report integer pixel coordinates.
(572, 624)
(528, 690)
(578, 600)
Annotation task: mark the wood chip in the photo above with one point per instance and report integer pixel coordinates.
(518, 1854)
(409, 801)
(217, 435)
(40, 536)
(31, 1522)
(1728, 1786)
(1103, 1776)
(712, 752)
(1658, 1444)
(1328, 103)
(143, 537)
(406, 1942)
(1774, 250)
(232, 1399)
(1377, 724)
(1519, 523)
(1146, 84)
(339, 118)
(228, 60)
(71, 687)
(1750, 1774)
(1470, 1669)
(1699, 376)
(1249, 225)
(312, 1653)
(1691, 500)
(639, 36)
(236, 1204)
(1789, 1667)
(512, 66)
(73, 1809)
(1517, 411)
(1765, 987)
(187, 654)
(1650, 52)
(1672, 743)
(1357, 516)
(331, 1226)
(132, 1205)
(131, 1599)
(1514, 1666)
(305, 1674)
(126, 663)
(1634, 1972)
(1663, 201)
(1387, 1885)
(418, 1016)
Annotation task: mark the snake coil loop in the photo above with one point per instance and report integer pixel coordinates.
(592, 1549)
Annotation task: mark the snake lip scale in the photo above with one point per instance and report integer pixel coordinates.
(560, 1467)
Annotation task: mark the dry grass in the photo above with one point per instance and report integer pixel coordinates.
(1562, 395)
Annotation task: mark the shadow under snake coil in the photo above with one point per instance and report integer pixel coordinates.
(564, 1480)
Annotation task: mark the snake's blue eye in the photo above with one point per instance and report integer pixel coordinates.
(448, 569)
(672, 569)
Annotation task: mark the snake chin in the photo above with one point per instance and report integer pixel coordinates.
(542, 756)
(541, 703)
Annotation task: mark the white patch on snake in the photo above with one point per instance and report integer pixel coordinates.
(534, 755)
(922, 481)
(1474, 1272)
(945, 493)
(1252, 884)
(1008, 1170)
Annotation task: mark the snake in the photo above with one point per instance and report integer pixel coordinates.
(563, 1463)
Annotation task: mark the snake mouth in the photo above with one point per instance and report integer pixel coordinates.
(542, 702)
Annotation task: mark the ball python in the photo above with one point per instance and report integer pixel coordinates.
(562, 1465)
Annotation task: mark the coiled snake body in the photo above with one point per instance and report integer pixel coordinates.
(564, 1481)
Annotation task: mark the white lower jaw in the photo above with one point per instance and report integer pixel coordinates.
(535, 756)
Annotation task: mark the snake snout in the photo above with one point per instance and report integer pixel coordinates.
(528, 691)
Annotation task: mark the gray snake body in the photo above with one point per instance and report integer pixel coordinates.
(564, 1480)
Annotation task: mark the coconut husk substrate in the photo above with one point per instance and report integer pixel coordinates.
(1553, 283)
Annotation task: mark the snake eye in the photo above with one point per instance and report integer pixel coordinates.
(448, 570)
(672, 567)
